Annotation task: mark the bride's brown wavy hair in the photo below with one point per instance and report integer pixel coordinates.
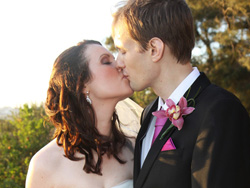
(73, 117)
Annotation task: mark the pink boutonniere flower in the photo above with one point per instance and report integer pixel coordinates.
(174, 113)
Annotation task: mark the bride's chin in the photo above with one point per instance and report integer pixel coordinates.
(129, 94)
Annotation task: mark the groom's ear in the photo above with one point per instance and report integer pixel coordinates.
(156, 46)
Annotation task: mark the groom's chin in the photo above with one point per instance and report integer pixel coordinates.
(136, 87)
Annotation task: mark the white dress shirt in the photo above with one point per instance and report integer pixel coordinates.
(175, 96)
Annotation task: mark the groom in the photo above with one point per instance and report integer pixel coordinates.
(210, 146)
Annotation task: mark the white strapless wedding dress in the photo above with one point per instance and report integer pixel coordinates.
(125, 184)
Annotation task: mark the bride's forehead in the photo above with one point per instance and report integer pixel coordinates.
(97, 51)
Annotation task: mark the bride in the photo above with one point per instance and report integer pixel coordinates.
(91, 147)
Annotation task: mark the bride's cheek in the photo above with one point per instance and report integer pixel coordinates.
(112, 74)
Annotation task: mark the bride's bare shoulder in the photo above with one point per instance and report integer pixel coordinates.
(44, 164)
(49, 154)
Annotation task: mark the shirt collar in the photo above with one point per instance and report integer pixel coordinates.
(181, 89)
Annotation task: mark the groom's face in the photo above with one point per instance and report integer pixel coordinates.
(136, 65)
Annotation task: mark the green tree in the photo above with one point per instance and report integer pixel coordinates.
(222, 28)
(144, 97)
(21, 136)
(110, 44)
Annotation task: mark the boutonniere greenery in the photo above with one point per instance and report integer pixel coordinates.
(176, 113)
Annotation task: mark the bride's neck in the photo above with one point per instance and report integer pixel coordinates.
(104, 113)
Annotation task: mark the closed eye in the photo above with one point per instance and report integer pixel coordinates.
(121, 50)
(107, 63)
(107, 59)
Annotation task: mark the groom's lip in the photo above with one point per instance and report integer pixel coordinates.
(125, 76)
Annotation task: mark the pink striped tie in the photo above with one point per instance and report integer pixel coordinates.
(158, 126)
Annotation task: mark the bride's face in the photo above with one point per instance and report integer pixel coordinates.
(106, 81)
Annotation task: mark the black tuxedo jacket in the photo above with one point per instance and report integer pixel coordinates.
(212, 148)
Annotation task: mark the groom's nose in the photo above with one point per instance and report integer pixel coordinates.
(120, 62)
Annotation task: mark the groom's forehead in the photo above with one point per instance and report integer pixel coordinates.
(120, 35)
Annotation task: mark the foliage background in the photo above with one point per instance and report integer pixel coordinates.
(222, 29)
(21, 135)
(223, 43)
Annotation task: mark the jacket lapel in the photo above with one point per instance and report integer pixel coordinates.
(145, 121)
(197, 87)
